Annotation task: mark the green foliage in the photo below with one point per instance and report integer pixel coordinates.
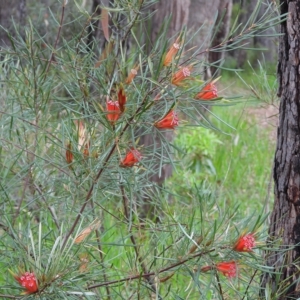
(72, 211)
(244, 163)
(198, 147)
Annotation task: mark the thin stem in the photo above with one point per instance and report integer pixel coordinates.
(30, 152)
(179, 263)
(136, 249)
(89, 194)
(37, 188)
(100, 252)
(249, 283)
(219, 285)
(20, 202)
(106, 160)
(57, 37)
(126, 34)
(8, 296)
(132, 238)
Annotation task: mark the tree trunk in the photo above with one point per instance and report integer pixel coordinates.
(202, 15)
(179, 11)
(240, 55)
(193, 14)
(12, 10)
(224, 17)
(269, 55)
(285, 219)
(244, 7)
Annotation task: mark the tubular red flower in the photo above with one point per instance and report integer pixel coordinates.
(132, 157)
(209, 92)
(131, 75)
(121, 99)
(172, 52)
(245, 243)
(28, 282)
(69, 154)
(170, 121)
(180, 76)
(113, 110)
(229, 268)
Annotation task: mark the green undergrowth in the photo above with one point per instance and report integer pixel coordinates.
(244, 162)
(235, 160)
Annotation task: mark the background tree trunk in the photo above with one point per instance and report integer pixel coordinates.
(192, 14)
(224, 17)
(12, 10)
(179, 11)
(269, 43)
(241, 56)
(285, 220)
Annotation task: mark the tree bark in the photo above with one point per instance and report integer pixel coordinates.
(193, 14)
(269, 55)
(179, 12)
(285, 219)
(177, 9)
(12, 10)
(224, 17)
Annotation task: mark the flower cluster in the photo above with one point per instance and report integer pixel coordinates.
(115, 109)
(245, 243)
(28, 281)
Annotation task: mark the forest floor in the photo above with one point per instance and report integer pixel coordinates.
(266, 117)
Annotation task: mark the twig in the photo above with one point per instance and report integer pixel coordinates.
(219, 285)
(123, 40)
(57, 36)
(105, 162)
(89, 194)
(132, 238)
(8, 296)
(179, 263)
(93, 24)
(49, 207)
(30, 152)
(20, 202)
(100, 252)
(245, 294)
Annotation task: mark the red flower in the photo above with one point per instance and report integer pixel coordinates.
(229, 268)
(245, 243)
(113, 110)
(121, 99)
(172, 52)
(170, 121)
(209, 92)
(131, 75)
(69, 154)
(181, 75)
(132, 157)
(28, 282)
